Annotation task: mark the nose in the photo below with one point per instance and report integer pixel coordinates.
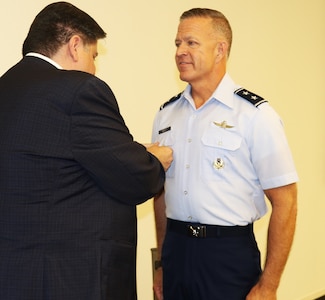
(181, 50)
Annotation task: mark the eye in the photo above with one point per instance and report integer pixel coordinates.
(192, 43)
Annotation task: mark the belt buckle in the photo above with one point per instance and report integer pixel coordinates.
(197, 231)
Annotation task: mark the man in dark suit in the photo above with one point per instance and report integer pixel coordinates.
(70, 173)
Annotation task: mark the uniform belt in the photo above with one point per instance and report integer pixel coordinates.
(198, 230)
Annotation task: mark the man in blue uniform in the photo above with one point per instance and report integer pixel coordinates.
(229, 151)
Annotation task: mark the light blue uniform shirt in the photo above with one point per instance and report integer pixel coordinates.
(225, 154)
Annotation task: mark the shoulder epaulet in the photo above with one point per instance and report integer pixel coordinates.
(171, 100)
(251, 97)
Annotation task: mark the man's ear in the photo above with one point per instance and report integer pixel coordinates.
(222, 50)
(74, 45)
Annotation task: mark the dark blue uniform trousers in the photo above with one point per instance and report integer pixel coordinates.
(217, 268)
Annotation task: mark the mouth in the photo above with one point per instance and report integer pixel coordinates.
(183, 64)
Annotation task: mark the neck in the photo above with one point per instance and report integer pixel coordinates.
(202, 91)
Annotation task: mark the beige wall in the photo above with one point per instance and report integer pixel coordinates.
(278, 52)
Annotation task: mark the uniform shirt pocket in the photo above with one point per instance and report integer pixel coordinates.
(220, 149)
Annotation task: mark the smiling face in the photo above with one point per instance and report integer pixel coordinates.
(201, 52)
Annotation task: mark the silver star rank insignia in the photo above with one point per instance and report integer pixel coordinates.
(249, 96)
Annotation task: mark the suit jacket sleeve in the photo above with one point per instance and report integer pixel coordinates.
(102, 144)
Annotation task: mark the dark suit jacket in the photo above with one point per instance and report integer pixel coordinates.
(70, 177)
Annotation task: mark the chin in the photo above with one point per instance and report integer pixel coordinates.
(184, 78)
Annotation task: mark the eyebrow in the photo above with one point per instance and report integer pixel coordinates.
(186, 38)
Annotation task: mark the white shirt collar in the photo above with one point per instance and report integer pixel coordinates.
(41, 56)
(225, 91)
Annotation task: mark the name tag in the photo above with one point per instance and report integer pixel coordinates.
(164, 130)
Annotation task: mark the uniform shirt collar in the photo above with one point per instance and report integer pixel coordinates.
(223, 93)
(41, 56)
